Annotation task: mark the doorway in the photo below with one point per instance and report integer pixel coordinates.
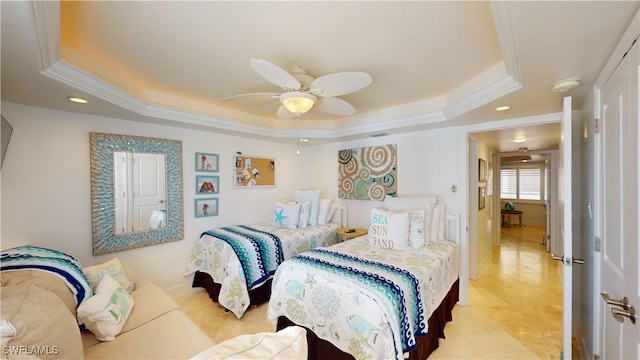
(519, 247)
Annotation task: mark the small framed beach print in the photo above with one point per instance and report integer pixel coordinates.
(205, 207)
(207, 162)
(207, 184)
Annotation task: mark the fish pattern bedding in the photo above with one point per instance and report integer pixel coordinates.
(367, 301)
(262, 247)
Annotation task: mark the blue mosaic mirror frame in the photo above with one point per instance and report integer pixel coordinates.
(102, 146)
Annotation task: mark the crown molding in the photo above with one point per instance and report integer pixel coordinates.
(434, 111)
(484, 95)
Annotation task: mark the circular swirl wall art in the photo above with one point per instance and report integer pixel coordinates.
(368, 173)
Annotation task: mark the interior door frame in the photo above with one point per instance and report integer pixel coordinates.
(467, 211)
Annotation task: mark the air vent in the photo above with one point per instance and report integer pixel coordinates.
(378, 135)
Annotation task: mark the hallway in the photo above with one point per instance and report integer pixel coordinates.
(515, 309)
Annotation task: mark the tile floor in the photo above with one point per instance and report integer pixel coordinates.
(514, 311)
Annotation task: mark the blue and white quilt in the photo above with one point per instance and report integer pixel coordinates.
(55, 262)
(241, 258)
(367, 301)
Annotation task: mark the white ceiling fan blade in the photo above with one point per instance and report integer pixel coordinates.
(335, 106)
(251, 97)
(275, 74)
(339, 83)
(284, 114)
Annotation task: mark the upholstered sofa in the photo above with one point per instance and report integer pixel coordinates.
(42, 310)
(46, 298)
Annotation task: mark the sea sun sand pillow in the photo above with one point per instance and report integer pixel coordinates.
(389, 229)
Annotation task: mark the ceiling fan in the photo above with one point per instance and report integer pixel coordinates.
(302, 92)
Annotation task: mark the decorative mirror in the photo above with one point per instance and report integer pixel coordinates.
(136, 191)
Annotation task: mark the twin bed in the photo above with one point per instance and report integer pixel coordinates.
(235, 264)
(358, 299)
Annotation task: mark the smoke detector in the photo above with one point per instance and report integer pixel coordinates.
(565, 85)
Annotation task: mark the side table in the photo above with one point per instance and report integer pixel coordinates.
(350, 233)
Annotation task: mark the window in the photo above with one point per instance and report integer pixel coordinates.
(522, 182)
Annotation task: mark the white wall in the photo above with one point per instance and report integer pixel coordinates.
(428, 164)
(46, 187)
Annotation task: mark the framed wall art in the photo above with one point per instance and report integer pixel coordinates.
(368, 173)
(205, 207)
(207, 184)
(482, 195)
(207, 162)
(482, 170)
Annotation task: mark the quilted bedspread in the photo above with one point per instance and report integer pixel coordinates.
(55, 262)
(367, 301)
(242, 258)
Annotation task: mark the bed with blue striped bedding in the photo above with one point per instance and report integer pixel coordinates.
(55, 262)
(243, 257)
(367, 301)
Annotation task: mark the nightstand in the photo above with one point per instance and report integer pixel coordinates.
(350, 233)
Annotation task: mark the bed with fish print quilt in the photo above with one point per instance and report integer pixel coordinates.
(235, 264)
(362, 301)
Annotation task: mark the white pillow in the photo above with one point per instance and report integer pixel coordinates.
(288, 343)
(389, 229)
(323, 211)
(438, 213)
(443, 224)
(416, 228)
(332, 213)
(113, 268)
(314, 197)
(286, 214)
(305, 214)
(416, 202)
(106, 312)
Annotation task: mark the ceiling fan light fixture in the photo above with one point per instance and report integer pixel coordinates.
(298, 102)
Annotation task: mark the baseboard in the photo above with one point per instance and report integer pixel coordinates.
(181, 290)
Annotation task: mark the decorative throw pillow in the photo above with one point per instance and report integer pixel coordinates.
(314, 197)
(332, 213)
(286, 214)
(414, 202)
(438, 215)
(305, 214)
(113, 268)
(323, 211)
(389, 229)
(106, 312)
(416, 229)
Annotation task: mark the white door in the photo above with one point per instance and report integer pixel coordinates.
(149, 193)
(618, 187)
(563, 243)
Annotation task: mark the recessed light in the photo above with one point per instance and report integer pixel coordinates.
(77, 100)
(519, 139)
(503, 108)
(304, 140)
